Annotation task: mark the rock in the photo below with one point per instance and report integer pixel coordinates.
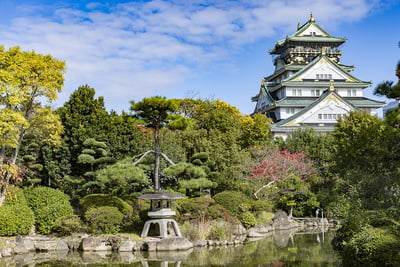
(126, 246)
(239, 230)
(62, 245)
(174, 243)
(73, 244)
(6, 252)
(103, 246)
(87, 244)
(20, 248)
(138, 246)
(253, 232)
(149, 245)
(27, 243)
(281, 221)
(45, 245)
(199, 243)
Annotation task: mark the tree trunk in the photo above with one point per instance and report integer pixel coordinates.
(157, 160)
(261, 188)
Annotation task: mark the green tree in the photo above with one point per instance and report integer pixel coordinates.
(121, 179)
(367, 157)
(388, 88)
(83, 116)
(216, 131)
(255, 131)
(27, 79)
(155, 111)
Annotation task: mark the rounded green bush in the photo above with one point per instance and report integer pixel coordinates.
(15, 195)
(68, 225)
(232, 201)
(372, 247)
(99, 200)
(48, 205)
(247, 219)
(194, 208)
(261, 205)
(16, 219)
(104, 220)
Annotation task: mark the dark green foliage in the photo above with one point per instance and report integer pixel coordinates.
(104, 220)
(48, 205)
(83, 117)
(261, 205)
(372, 247)
(367, 156)
(247, 219)
(68, 225)
(99, 200)
(231, 200)
(353, 224)
(317, 146)
(15, 219)
(388, 88)
(199, 208)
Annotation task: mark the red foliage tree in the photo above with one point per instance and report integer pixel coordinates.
(274, 166)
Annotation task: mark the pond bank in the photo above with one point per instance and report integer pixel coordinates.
(119, 243)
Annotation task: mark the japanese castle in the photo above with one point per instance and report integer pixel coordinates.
(310, 87)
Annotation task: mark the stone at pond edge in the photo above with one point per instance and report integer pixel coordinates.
(126, 246)
(281, 221)
(6, 252)
(176, 243)
(199, 243)
(149, 245)
(62, 245)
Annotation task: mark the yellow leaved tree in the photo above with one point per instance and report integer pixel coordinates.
(28, 83)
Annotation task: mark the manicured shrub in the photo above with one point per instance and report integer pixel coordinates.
(194, 208)
(16, 219)
(48, 205)
(372, 247)
(247, 219)
(261, 205)
(216, 211)
(15, 195)
(104, 220)
(99, 200)
(232, 201)
(68, 225)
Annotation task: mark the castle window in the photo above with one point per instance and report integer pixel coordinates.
(290, 110)
(315, 92)
(296, 92)
(323, 76)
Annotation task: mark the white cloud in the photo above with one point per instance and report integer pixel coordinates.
(138, 49)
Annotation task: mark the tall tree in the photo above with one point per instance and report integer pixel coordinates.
(155, 112)
(367, 157)
(83, 116)
(26, 80)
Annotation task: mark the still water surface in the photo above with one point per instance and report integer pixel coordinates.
(292, 249)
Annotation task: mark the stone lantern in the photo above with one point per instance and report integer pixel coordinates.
(161, 213)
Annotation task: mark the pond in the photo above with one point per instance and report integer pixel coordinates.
(283, 248)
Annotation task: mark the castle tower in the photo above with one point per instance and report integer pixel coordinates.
(310, 87)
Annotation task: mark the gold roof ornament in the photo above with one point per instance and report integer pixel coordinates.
(331, 87)
(312, 17)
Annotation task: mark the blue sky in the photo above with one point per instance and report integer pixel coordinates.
(210, 49)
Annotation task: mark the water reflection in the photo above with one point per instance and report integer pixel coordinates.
(283, 248)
